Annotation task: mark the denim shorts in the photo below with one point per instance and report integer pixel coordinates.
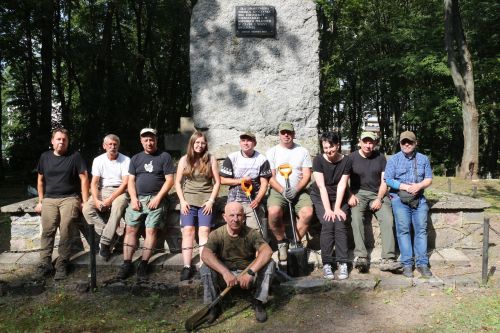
(195, 217)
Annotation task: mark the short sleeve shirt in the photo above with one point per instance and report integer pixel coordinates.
(298, 157)
(61, 174)
(110, 172)
(238, 166)
(332, 173)
(235, 252)
(150, 171)
(366, 171)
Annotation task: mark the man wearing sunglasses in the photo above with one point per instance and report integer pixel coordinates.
(289, 152)
(407, 174)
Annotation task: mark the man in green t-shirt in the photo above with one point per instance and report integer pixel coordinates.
(228, 251)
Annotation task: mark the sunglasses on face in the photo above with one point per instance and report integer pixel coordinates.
(286, 132)
(407, 142)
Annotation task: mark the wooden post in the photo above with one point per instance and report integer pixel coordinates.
(486, 243)
(449, 185)
(93, 278)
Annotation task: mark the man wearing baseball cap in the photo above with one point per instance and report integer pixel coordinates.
(369, 195)
(407, 174)
(249, 166)
(150, 178)
(289, 152)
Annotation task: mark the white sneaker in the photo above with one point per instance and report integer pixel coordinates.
(343, 272)
(327, 272)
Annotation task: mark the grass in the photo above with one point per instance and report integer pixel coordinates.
(473, 314)
(486, 189)
(65, 312)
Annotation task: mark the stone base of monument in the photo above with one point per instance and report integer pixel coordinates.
(455, 226)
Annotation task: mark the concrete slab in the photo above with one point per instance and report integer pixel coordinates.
(394, 282)
(29, 259)
(8, 258)
(173, 262)
(436, 259)
(455, 257)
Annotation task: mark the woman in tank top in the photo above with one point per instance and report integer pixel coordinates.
(197, 184)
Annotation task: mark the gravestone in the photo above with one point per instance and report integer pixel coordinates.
(254, 64)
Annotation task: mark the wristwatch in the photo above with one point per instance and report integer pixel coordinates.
(250, 272)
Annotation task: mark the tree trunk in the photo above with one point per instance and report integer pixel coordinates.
(47, 10)
(2, 174)
(460, 63)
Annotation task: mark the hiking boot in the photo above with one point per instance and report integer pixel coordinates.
(61, 271)
(105, 252)
(142, 271)
(260, 312)
(214, 313)
(126, 271)
(408, 271)
(343, 272)
(42, 271)
(424, 271)
(187, 273)
(328, 272)
(390, 265)
(362, 264)
(283, 250)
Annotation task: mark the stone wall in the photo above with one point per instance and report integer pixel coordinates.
(254, 83)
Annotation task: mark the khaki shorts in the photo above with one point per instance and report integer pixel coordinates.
(152, 218)
(301, 200)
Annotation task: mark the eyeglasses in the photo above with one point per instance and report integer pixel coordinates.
(407, 142)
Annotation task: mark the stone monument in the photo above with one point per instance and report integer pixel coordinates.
(253, 65)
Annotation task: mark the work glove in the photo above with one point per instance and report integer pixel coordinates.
(290, 193)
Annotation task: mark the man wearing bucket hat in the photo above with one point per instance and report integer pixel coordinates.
(291, 153)
(369, 195)
(407, 174)
(247, 166)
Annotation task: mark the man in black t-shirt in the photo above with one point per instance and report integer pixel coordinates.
(62, 176)
(150, 178)
(369, 194)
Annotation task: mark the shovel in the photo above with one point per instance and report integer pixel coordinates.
(247, 187)
(201, 316)
(296, 261)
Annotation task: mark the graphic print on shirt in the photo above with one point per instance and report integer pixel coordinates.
(149, 167)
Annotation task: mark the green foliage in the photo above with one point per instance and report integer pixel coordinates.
(387, 58)
(117, 66)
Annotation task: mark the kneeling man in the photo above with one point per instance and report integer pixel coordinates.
(228, 251)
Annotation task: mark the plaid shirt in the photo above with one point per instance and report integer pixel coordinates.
(400, 170)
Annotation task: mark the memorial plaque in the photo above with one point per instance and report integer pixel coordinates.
(255, 21)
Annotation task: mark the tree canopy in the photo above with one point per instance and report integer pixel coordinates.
(116, 66)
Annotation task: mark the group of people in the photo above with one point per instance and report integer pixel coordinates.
(238, 253)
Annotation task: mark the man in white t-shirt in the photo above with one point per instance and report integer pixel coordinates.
(108, 188)
(288, 152)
